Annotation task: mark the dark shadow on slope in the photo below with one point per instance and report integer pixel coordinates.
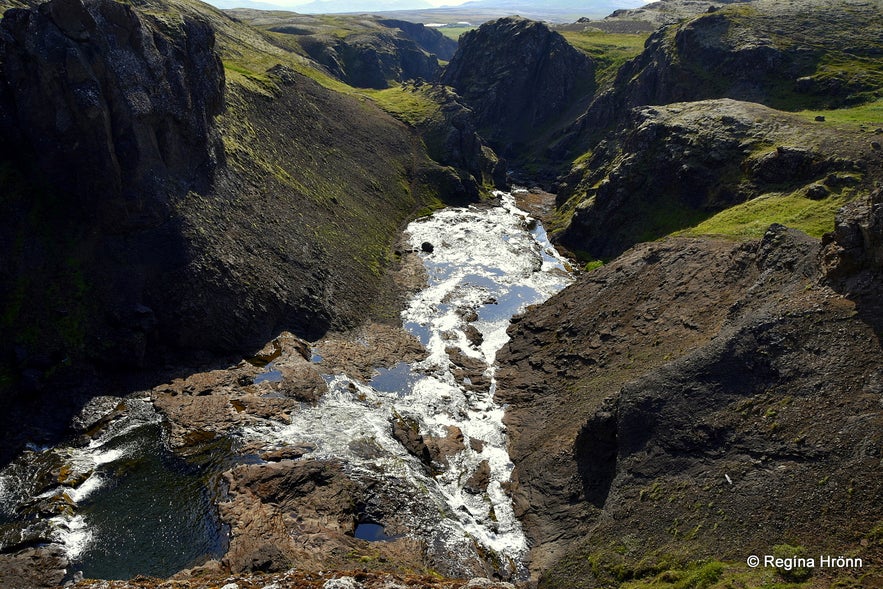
(596, 451)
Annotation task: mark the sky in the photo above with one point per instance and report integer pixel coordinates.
(435, 3)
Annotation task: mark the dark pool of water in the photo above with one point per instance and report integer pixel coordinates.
(155, 515)
(373, 533)
(397, 379)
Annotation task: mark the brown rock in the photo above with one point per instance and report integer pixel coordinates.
(440, 449)
(372, 346)
(477, 482)
(407, 432)
(302, 513)
(33, 568)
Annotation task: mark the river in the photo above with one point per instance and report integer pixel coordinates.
(484, 264)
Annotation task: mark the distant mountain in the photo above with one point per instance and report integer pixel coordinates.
(228, 4)
(575, 6)
(329, 6)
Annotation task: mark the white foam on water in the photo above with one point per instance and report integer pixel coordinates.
(86, 488)
(20, 479)
(485, 260)
(73, 533)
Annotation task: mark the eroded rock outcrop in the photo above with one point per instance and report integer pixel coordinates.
(852, 255)
(429, 39)
(640, 180)
(676, 165)
(115, 110)
(453, 139)
(649, 411)
(516, 75)
(372, 60)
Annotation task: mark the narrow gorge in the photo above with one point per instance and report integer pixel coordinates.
(336, 301)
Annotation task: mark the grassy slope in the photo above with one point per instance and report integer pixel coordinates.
(831, 59)
(318, 182)
(609, 50)
(794, 209)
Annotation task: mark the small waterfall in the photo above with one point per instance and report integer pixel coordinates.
(120, 503)
(485, 264)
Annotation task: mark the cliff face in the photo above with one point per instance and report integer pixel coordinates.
(107, 122)
(135, 236)
(674, 166)
(852, 255)
(119, 133)
(430, 40)
(517, 75)
(372, 60)
(650, 413)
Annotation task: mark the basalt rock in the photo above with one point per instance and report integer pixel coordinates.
(453, 139)
(108, 120)
(429, 39)
(852, 255)
(673, 166)
(134, 239)
(372, 60)
(120, 135)
(302, 513)
(35, 567)
(648, 411)
(516, 75)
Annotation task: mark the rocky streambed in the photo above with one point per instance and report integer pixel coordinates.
(382, 449)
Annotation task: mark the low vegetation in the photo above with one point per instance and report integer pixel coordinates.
(752, 218)
(609, 50)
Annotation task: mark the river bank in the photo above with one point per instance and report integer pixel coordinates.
(381, 448)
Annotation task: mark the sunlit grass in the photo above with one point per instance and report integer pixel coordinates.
(866, 114)
(609, 50)
(407, 103)
(453, 32)
(752, 218)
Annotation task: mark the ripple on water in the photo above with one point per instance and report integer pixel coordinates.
(130, 506)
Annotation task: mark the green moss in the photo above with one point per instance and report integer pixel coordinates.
(593, 265)
(409, 103)
(794, 574)
(454, 32)
(752, 218)
(609, 50)
(865, 114)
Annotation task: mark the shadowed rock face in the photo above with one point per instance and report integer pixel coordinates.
(128, 241)
(645, 406)
(115, 111)
(372, 60)
(107, 121)
(852, 255)
(516, 74)
(428, 39)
